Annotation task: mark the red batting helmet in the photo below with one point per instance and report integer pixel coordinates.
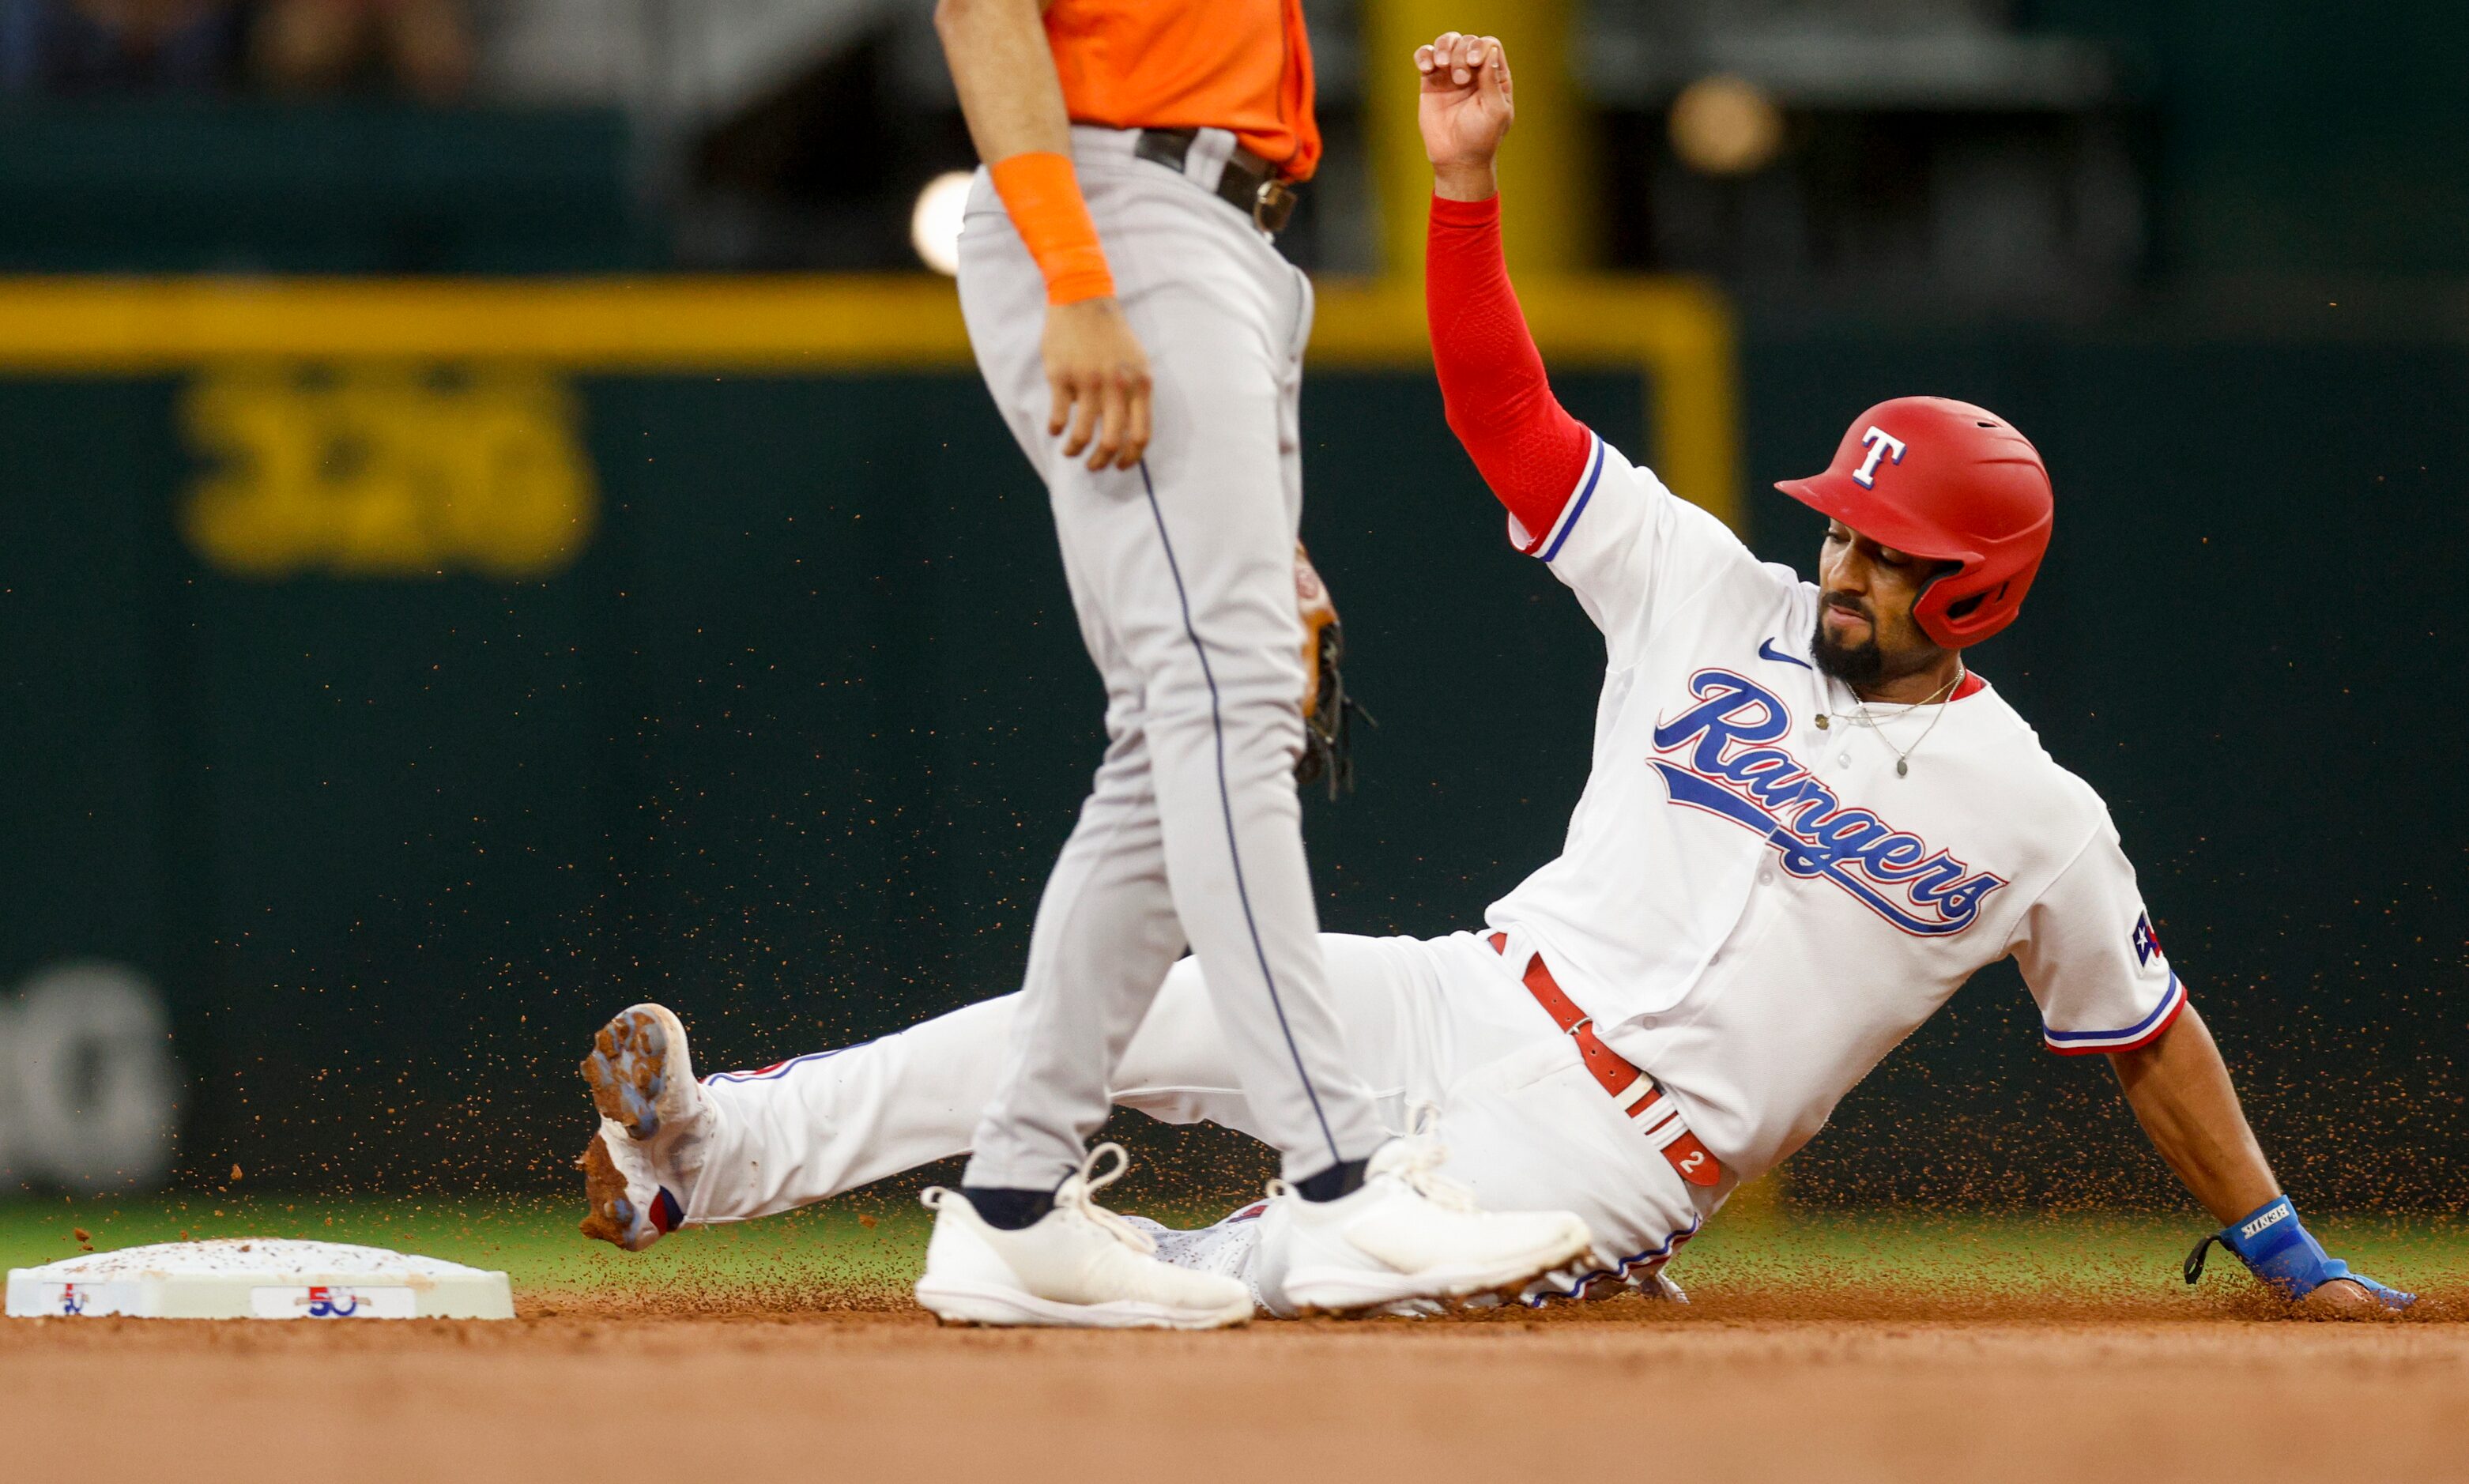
(1947, 480)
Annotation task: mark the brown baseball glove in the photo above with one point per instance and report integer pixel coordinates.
(1330, 713)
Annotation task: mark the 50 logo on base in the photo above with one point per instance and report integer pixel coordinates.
(81, 1300)
(333, 1301)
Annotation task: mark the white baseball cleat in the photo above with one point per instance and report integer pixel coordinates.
(1230, 1246)
(1225, 1249)
(1079, 1265)
(652, 1114)
(1406, 1234)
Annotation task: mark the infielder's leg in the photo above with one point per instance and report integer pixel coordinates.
(1181, 573)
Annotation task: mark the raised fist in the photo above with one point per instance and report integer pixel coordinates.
(1466, 106)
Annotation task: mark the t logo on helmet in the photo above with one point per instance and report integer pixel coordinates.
(1882, 445)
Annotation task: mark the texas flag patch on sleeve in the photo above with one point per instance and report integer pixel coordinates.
(2147, 942)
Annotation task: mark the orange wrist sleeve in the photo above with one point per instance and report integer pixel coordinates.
(1043, 196)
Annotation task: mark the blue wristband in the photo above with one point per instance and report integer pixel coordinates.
(2283, 1255)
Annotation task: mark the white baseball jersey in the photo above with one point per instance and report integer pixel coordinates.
(1753, 904)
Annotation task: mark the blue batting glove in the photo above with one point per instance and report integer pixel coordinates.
(2285, 1256)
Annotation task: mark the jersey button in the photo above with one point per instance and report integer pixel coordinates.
(1844, 761)
(1765, 878)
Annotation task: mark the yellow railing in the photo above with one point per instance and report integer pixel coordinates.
(1678, 334)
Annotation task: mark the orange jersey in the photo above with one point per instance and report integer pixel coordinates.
(1243, 65)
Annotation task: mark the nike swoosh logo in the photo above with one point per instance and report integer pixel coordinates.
(1767, 651)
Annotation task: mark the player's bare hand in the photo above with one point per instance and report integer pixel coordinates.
(1466, 109)
(2342, 1299)
(1100, 378)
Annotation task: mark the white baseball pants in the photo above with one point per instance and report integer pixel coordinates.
(1443, 1022)
(1181, 576)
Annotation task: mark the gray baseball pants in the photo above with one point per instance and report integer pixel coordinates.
(1181, 573)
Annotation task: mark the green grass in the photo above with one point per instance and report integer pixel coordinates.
(2085, 1255)
(534, 1240)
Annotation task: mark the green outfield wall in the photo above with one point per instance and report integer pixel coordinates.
(397, 716)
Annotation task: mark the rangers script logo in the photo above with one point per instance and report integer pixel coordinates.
(1726, 769)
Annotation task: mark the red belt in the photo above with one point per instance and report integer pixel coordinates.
(1628, 1085)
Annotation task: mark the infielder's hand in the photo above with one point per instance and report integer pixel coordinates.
(1466, 109)
(1100, 378)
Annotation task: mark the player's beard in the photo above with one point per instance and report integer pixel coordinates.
(1857, 665)
(1865, 666)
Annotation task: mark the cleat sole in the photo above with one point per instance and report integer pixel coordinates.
(636, 1058)
(962, 1303)
(1342, 1293)
(611, 1215)
(624, 1072)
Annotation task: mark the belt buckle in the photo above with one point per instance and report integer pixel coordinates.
(1272, 205)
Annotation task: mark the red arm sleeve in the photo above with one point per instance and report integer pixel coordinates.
(1500, 403)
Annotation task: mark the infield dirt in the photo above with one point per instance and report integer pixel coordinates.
(1836, 1385)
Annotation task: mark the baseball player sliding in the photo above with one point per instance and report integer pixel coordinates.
(1144, 340)
(1807, 825)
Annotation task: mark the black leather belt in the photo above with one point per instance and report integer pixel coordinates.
(1249, 183)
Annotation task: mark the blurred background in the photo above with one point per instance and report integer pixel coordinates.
(497, 522)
